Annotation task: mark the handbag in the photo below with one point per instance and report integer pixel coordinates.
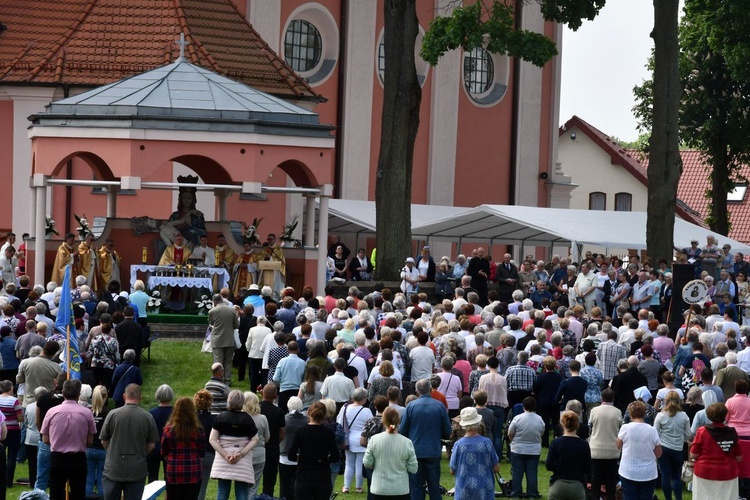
(237, 342)
(206, 347)
(346, 424)
(687, 472)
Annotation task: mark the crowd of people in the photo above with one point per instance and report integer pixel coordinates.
(379, 388)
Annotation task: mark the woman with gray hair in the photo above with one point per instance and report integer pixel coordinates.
(352, 418)
(125, 374)
(164, 395)
(234, 436)
(252, 408)
(294, 420)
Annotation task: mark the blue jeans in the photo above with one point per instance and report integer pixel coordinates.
(42, 466)
(428, 472)
(670, 464)
(94, 469)
(240, 490)
(521, 465)
(497, 430)
(21, 456)
(637, 490)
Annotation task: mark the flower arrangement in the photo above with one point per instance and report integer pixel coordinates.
(154, 302)
(83, 228)
(287, 235)
(250, 233)
(51, 226)
(204, 304)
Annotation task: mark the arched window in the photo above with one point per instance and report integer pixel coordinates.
(303, 45)
(623, 202)
(597, 201)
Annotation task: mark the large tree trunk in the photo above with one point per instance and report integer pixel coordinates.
(718, 219)
(665, 165)
(401, 100)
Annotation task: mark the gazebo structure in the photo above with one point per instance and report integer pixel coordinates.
(228, 133)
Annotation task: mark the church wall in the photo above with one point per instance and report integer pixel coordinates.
(483, 149)
(6, 165)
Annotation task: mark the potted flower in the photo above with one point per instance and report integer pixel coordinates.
(250, 233)
(154, 302)
(287, 235)
(204, 304)
(83, 226)
(50, 227)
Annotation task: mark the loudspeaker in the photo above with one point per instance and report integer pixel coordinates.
(681, 275)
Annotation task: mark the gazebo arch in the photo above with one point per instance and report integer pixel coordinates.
(98, 165)
(298, 172)
(210, 170)
(229, 134)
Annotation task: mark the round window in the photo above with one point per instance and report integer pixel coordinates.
(303, 45)
(479, 71)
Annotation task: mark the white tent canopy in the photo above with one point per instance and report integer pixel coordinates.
(358, 217)
(520, 225)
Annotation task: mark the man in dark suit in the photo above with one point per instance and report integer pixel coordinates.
(507, 279)
(130, 335)
(626, 382)
(222, 320)
(479, 270)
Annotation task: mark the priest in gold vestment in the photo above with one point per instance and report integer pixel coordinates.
(65, 255)
(109, 263)
(175, 254)
(271, 251)
(87, 261)
(223, 255)
(245, 271)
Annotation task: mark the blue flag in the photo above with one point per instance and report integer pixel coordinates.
(65, 324)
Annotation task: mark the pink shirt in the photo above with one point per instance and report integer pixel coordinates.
(665, 347)
(68, 425)
(465, 368)
(577, 328)
(738, 414)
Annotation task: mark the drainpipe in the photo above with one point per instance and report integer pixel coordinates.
(69, 176)
(339, 144)
(516, 112)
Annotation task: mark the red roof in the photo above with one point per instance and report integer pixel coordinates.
(632, 162)
(692, 189)
(95, 42)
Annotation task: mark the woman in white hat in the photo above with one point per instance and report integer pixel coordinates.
(474, 460)
(409, 277)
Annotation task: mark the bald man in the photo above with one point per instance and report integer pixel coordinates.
(507, 279)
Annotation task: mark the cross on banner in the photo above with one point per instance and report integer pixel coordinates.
(182, 43)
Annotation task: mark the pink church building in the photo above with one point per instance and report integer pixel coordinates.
(488, 124)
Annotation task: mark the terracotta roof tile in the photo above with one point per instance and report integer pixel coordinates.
(94, 42)
(694, 184)
(631, 161)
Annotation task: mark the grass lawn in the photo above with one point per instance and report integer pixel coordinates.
(180, 364)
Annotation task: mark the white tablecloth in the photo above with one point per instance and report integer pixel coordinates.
(220, 271)
(154, 281)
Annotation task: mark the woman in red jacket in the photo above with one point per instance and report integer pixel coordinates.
(716, 452)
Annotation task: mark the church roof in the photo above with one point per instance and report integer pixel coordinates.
(96, 42)
(183, 96)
